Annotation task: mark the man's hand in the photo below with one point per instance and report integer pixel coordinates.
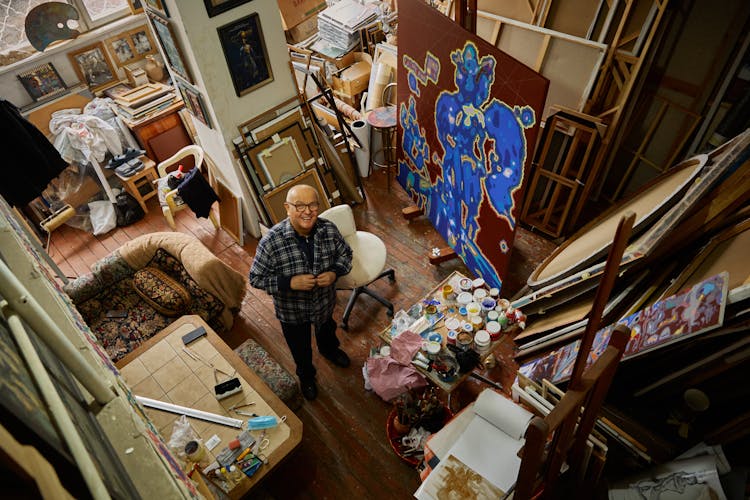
(303, 282)
(325, 279)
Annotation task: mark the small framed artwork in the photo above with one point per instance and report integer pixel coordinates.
(168, 42)
(246, 54)
(131, 46)
(274, 200)
(194, 102)
(216, 7)
(121, 49)
(117, 90)
(136, 6)
(141, 41)
(42, 82)
(281, 161)
(157, 6)
(93, 66)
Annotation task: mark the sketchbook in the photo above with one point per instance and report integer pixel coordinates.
(484, 457)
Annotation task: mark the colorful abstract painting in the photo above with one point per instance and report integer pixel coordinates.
(468, 122)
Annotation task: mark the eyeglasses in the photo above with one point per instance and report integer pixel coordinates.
(300, 207)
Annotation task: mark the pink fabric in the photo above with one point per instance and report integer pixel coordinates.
(405, 346)
(389, 378)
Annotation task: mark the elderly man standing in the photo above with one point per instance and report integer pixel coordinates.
(297, 263)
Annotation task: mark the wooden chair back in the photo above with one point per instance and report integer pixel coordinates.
(561, 436)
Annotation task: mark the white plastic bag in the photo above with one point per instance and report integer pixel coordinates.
(103, 216)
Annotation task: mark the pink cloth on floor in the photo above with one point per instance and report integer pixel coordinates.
(389, 378)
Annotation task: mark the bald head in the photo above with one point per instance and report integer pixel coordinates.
(301, 191)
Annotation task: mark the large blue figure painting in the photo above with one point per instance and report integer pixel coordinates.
(468, 120)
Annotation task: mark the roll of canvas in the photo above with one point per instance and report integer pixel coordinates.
(361, 131)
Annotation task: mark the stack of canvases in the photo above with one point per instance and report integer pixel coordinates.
(683, 287)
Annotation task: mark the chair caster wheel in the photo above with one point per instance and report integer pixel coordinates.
(344, 327)
(389, 313)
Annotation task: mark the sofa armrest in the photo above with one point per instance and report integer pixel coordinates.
(105, 273)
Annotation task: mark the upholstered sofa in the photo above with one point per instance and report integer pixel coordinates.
(157, 277)
(196, 282)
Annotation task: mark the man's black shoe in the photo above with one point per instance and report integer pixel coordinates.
(309, 389)
(338, 358)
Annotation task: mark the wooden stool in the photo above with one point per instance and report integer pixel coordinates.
(141, 184)
(383, 120)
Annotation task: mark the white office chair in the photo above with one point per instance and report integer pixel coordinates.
(169, 206)
(368, 260)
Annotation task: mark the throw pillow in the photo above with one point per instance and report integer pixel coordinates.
(161, 291)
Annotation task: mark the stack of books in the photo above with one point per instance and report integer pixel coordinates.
(339, 24)
(145, 100)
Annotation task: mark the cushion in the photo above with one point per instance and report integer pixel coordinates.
(161, 291)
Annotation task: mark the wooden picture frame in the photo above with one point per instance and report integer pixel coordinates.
(93, 66)
(281, 161)
(216, 7)
(246, 54)
(156, 6)
(136, 6)
(165, 35)
(130, 46)
(194, 102)
(117, 90)
(274, 200)
(42, 82)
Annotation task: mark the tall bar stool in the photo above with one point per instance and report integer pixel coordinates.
(383, 120)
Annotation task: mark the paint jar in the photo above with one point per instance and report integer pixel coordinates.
(502, 305)
(462, 311)
(478, 283)
(197, 453)
(493, 328)
(473, 309)
(464, 341)
(494, 293)
(479, 294)
(476, 323)
(488, 304)
(466, 327)
(492, 316)
(452, 323)
(448, 293)
(385, 351)
(435, 337)
(432, 349)
(430, 310)
(451, 337)
(482, 343)
(465, 285)
(464, 298)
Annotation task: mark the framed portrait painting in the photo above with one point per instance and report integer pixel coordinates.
(42, 82)
(216, 7)
(246, 54)
(93, 66)
(168, 42)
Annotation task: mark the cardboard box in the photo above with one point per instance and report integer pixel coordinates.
(355, 78)
(302, 31)
(294, 12)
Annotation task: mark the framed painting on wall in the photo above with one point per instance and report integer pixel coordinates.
(275, 199)
(168, 43)
(42, 81)
(93, 66)
(246, 54)
(216, 7)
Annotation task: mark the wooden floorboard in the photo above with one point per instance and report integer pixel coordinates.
(344, 451)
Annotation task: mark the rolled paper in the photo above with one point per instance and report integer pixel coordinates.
(361, 131)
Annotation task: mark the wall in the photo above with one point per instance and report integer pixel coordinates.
(202, 49)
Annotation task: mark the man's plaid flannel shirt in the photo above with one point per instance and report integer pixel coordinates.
(279, 256)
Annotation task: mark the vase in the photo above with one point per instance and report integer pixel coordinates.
(154, 69)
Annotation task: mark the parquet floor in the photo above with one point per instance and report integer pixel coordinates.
(344, 451)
